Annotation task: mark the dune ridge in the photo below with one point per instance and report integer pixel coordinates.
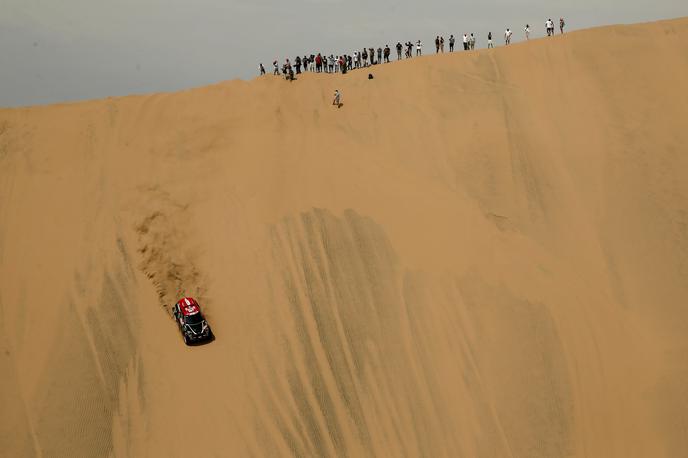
(480, 254)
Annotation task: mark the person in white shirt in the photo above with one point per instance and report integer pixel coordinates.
(465, 42)
(337, 98)
(507, 36)
(419, 48)
(527, 30)
(550, 27)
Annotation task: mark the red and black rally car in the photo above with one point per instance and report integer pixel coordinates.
(192, 324)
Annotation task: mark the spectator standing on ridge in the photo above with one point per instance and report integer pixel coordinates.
(452, 40)
(276, 71)
(471, 41)
(489, 40)
(262, 70)
(387, 52)
(441, 44)
(550, 27)
(527, 30)
(379, 55)
(561, 24)
(437, 44)
(297, 63)
(419, 48)
(409, 50)
(507, 37)
(399, 50)
(465, 42)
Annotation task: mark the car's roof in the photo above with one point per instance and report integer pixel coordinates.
(189, 306)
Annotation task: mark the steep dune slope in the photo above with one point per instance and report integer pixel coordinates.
(479, 254)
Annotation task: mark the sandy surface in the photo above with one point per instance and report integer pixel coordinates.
(482, 254)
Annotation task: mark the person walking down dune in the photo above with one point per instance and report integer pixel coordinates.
(527, 30)
(507, 36)
(337, 98)
(489, 40)
(561, 24)
(419, 48)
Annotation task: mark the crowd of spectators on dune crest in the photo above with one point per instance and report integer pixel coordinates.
(321, 62)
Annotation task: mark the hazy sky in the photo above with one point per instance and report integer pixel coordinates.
(57, 50)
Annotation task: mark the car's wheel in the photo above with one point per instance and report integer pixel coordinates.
(186, 340)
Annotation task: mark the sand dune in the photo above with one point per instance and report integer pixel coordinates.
(480, 254)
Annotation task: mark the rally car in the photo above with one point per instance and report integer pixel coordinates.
(192, 324)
